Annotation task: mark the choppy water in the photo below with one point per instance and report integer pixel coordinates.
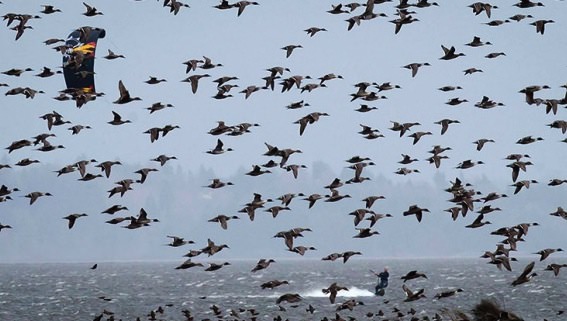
(72, 291)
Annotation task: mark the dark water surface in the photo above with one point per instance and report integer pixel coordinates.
(73, 291)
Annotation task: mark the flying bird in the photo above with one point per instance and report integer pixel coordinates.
(332, 291)
(91, 11)
(72, 218)
(526, 275)
(124, 95)
(415, 210)
(290, 48)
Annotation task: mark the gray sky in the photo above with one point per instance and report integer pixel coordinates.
(155, 43)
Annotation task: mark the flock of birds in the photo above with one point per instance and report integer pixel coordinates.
(464, 198)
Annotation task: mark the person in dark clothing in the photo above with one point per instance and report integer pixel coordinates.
(382, 283)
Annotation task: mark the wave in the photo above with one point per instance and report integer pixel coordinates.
(249, 296)
(352, 292)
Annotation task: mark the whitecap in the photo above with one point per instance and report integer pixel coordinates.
(352, 292)
(263, 296)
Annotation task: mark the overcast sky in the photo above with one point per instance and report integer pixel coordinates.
(156, 43)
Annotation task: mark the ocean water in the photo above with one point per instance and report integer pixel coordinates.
(131, 290)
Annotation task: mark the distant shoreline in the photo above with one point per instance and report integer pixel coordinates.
(281, 259)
